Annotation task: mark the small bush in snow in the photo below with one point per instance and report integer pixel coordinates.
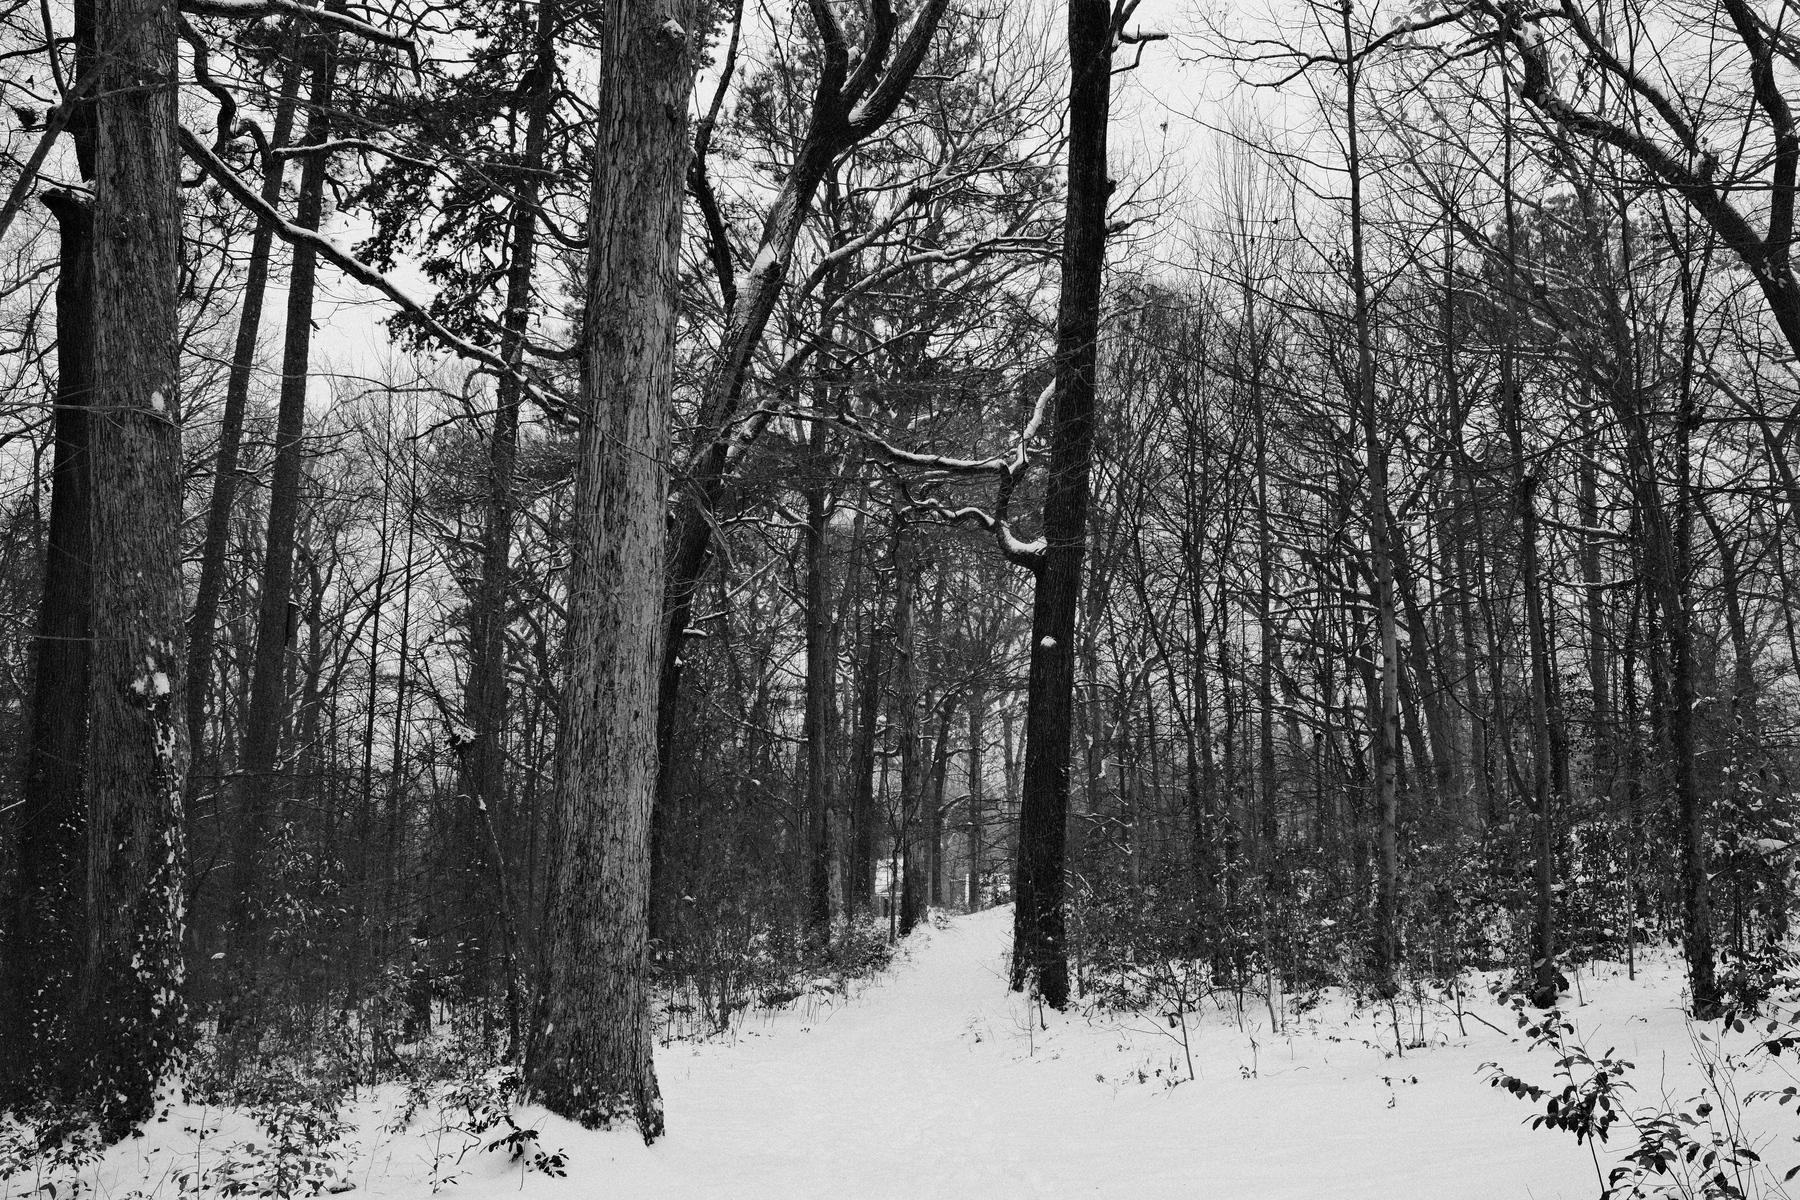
(467, 1110)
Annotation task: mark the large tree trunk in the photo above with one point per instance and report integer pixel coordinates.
(589, 1056)
(45, 933)
(129, 1013)
(1040, 955)
(202, 631)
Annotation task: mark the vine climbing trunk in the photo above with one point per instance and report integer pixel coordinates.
(128, 1014)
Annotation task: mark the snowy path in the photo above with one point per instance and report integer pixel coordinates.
(932, 1083)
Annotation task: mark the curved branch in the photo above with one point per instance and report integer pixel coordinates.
(360, 271)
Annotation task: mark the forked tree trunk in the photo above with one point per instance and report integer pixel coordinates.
(977, 791)
(202, 631)
(1040, 954)
(128, 1014)
(257, 792)
(847, 107)
(589, 1055)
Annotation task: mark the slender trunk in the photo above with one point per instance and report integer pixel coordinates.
(934, 805)
(1040, 956)
(258, 793)
(478, 867)
(860, 884)
(1594, 604)
(977, 790)
(906, 723)
(202, 631)
(1269, 648)
(1384, 700)
(820, 673)
(1543, 799)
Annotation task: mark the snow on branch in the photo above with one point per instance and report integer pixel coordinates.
(1006, 468)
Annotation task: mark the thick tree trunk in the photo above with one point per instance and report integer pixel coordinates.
(589, 1056)
(1040, 955)
(45, 933)
(129, 1012)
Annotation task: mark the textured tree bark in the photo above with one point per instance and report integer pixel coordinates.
(45, 934)
(589, 1055)
(1040, 953)
(257, 791)
(202, 625)
(129, 1012)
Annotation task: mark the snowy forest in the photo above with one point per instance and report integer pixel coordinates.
(897, 597)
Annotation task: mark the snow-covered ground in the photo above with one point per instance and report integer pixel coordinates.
(936, 1081)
